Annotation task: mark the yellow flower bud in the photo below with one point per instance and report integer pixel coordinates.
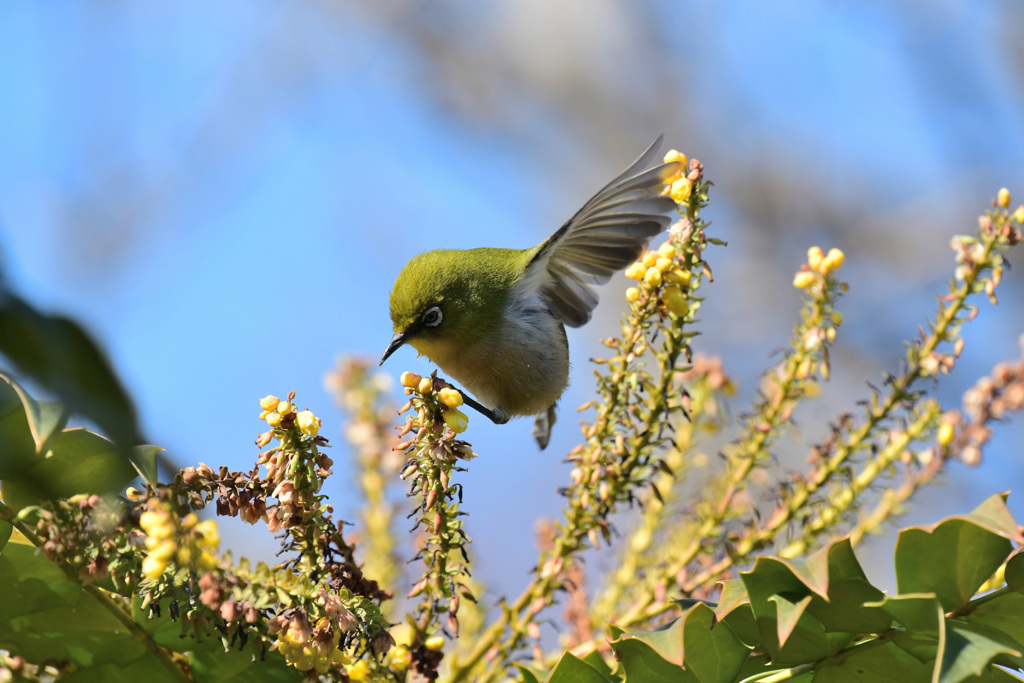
(652, 277)
(309, 424)
(832, 261)
(814, 257)
(450, 397)
(151, 519)
(1018, 215)
(649, 259)
(675, 155)
(803, 279)
(207, 561)
(269, 402)
(410, 380)
(455, 419)
(664, 264)
(358, 671)
(209, 534)
(426, 385)
(636, 271)
(632, 294)
(153, 568)
(680, 190)
(945, 435)
(675, 301)
(1003, 198)
(667, 250)
(284, 407)
(434, 643)
(679, 276)
(164, 551)
(184, 555)
(273, 419)
(132, 493)
(339, 658)
(401, 658)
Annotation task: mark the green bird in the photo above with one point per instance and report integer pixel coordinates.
(494, 319)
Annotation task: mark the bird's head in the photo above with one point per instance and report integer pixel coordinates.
(448, 298)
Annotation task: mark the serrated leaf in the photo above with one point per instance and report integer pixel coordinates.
(666, 640)
(144, 459)
(742, 623)
(572, 669)
(846, 609)
(641, 664)
(734, 594)
(968, 650)
(710, 650)
(951, 559)
(788, 612)
(80, 461)
(58, 354)
(919, 613)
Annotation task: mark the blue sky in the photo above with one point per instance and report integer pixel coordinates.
(224, 193)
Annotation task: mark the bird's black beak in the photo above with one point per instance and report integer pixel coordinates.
(393, 345)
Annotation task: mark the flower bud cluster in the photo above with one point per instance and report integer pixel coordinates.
(89, 533)
(185, 543)
(819, 264)
(433, 451)
(309, 648)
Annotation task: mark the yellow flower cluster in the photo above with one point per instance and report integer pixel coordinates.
(679, 186)
(450, 399)
(306, 653)
(186, 542)
(818, 262)
(275, 410)
(661, 267)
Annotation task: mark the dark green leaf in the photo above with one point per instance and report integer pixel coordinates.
(1004, 613)
(80, 461)
(741, 622)
(666, 640)
(788, 613)
(595, 660)
(734, 594)
(969, 648)
(846, 609)
(920, 613)
(17, 448)
(710, 650)
(5, 533)
(952, 559)
(572, 669)
(58, 354)
(144, 459)
(45, 419)
(875, 661)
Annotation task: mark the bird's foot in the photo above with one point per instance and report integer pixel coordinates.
(542, 425)
(495, 417)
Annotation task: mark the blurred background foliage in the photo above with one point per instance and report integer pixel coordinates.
(223, 193)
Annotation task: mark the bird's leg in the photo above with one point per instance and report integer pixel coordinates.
(483, 410)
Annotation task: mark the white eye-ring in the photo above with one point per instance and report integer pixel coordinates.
(433, 317)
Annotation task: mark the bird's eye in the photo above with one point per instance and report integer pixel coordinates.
(433, 317)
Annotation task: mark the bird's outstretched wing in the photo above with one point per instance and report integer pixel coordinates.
(606, 235)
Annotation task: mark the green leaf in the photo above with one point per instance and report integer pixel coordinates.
(529, 674)
(847, 610)
(952, 559)
(144, 459)
(666, 640)
(58, 354)
(788, 613)
(734, 594)
(5, 533)
(710, 650)
(1014, 574)
(641, 664)
(45, 419)
(876, 661)
(80, 461)
(1004, 613)
(920, 613)
(595, 660)
(572, 669)
(968, 649)
(17, 448)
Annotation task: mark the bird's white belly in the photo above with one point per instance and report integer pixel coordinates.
(520, 369)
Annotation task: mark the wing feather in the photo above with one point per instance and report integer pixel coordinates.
(605, 236)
